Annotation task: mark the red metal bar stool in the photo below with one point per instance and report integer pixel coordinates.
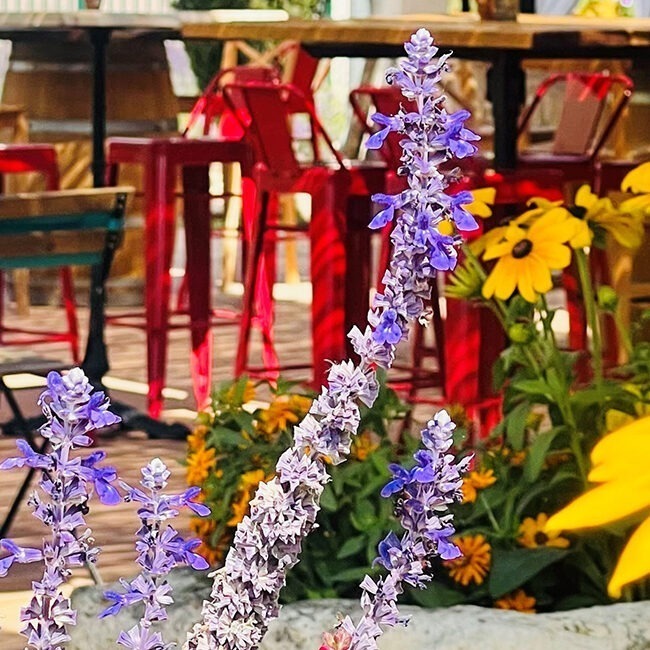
(39, 158)
(340, 239)
(161, 160)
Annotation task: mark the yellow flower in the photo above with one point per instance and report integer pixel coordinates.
(532, 534)
(484, 197)
(196, 439)
(624, 223)
(474, 563)
(283, 410)
(620, 464)
(239, 507)
(637, 180)
(247, 394)
(250, 480)
(202, 527)
(476, 480)
(363, 445)
(199, 465)
(526, 257)
(517, 601)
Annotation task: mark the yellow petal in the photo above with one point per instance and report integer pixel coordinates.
(634, 562)
(632, 437)
(585, 198)
(638, 180)
(497, 250)
(582, 235)
(603, 504)
(554, 255)
(525, 280)
(551, 226)
(483, 198)
(501, 282)
(540, 274)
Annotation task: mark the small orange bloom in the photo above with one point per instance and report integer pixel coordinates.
(474, 563)
(517, 601)
(533, 535)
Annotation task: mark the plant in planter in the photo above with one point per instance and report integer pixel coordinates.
(537, 459)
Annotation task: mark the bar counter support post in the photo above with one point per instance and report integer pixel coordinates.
(99, 38)
(507, 92)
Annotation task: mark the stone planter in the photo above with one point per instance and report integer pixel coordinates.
(613, 627)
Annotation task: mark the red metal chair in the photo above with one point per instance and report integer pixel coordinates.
(340, 239)
(41, 159)
(592, 105)
(161, 160)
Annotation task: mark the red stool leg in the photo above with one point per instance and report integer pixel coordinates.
(196, 215)
(159, 242)
(328, 259)
(70, 305)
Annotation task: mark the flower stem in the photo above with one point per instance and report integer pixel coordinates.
(489, 513)
(592, 316)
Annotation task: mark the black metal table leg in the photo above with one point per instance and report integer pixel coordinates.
(99, 39)
(506, 91)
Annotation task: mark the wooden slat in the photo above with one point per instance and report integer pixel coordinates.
(61, 242)
(35, 204)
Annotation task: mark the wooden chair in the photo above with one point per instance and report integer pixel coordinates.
(50, 229)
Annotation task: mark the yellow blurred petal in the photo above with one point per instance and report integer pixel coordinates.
(603, 505)
(632, 437)
(485, 194)
(585, 198)
(479, 209)
(634, 562)
(638, 180)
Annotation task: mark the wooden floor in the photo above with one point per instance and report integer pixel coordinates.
(114, 526)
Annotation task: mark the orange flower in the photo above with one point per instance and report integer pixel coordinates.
(202, 527)
(239, 508)
(363, 445)
(247, 395)
(517, 601)
(477, 480)
(474, 563)
(533, 535)
(196, 439)
(283, 410)
(199, 465)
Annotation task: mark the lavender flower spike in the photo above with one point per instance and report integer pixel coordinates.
(267, 543)
(160, 549)
(426, 493)
(67, 483)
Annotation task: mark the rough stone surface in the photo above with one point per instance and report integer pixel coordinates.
(615, 627)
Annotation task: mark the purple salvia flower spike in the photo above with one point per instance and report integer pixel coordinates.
(160, 549)
(424, 514)
(67, 482)
(267, 542)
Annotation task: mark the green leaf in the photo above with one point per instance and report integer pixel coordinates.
(515, 424)
(355, 574)
(351, 546)
(511, 569)
(535, 387)
(436, 595)
(537, 453)
(328, 500)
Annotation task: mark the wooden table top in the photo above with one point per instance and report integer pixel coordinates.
(529, 32)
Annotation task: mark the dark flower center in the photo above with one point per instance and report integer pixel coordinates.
(541, 538)
(522, 248)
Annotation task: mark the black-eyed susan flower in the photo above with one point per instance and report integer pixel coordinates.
(533, 535)
(526, 257)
